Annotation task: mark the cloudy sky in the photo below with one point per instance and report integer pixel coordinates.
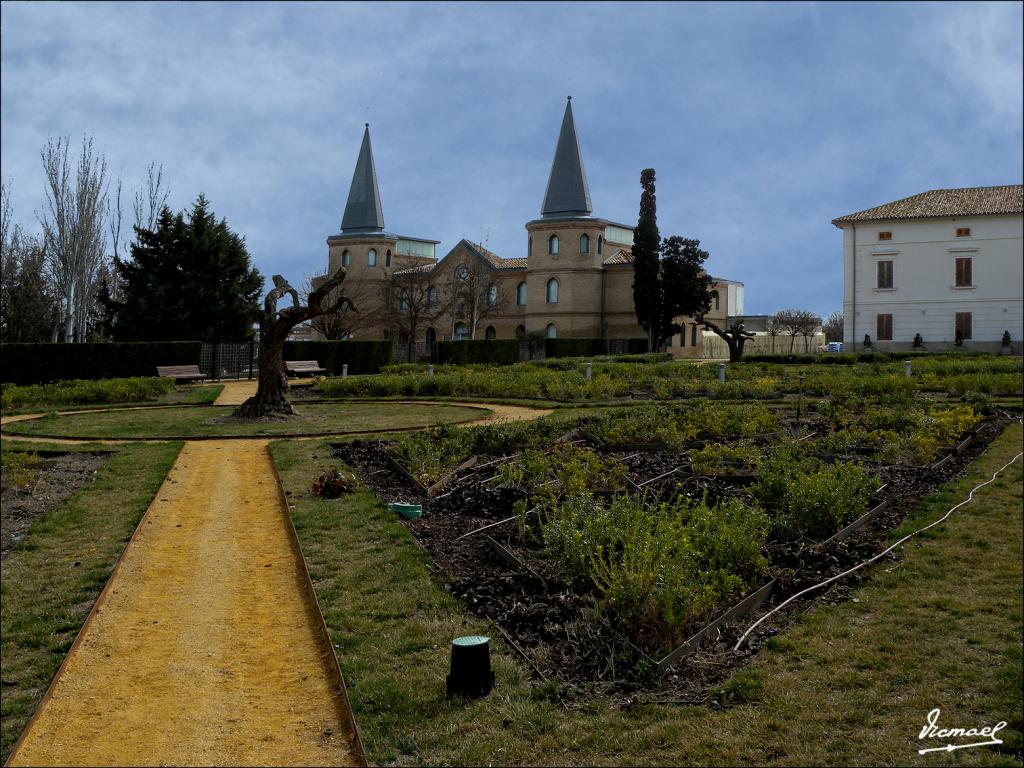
(764, 122)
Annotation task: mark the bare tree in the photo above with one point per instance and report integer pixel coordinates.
(414, 304)
(150, 200)
(773, 329)
(833, 326)
(74, 229)
(796, 322)
(6, 216)
(346, 322)
(476, 289)
(275, 325)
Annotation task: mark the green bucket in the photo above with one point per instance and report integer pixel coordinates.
(408, 511)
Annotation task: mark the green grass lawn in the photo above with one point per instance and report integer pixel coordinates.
(51, 580)
(845, 684)
(213, 421)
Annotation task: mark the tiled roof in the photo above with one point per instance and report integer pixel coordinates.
(968, 201)
(494, 260)
(414, 270)
(622, 257)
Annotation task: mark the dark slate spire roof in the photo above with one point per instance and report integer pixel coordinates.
(567, 193)
(362, 211)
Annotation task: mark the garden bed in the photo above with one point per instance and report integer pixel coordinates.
(36, 483)
(488, 554)
(557, 625)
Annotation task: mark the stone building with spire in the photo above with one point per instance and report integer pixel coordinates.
(574, 282)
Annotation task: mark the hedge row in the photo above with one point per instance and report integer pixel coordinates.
(360, 356)
(849, 358)
(44, 363)
(592, 347)
(494, 352)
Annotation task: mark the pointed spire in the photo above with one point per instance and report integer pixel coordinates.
(567, 193)
(362, 211)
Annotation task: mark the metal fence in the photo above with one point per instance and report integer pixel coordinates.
(229, 361)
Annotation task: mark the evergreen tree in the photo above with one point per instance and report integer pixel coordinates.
(684, 288)
(187, 279)
(646, 252)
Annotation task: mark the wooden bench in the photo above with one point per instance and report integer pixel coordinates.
(303, 368)
(180, 372)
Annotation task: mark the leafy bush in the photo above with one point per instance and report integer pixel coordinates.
(725, 458)
(658, 567)
(810, 497)
(18, 468)
(84, 392)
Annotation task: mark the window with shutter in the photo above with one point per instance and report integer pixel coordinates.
(883, 332)
(885, 274)
(963, 272)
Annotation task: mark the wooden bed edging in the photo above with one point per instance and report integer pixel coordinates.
(738, 611)
(856, 525)
(355, 738)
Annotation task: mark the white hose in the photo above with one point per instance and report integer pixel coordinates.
(884, 552)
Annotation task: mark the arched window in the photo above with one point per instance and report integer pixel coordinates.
(553, 245)
(521, 294)
(716, 300)
(551, 332)
(600, 245)
(492, 295)
(371, 258)
(461, 332)
(490, 334)
(432, 299)
(431, 337)
(403, 299)
(520, 331)
(693, 334)
(584, 243)
(387, 258)
(346, 259)
(529, 248)
(552, 291)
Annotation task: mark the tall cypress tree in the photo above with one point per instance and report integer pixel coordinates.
(187, 280)
(646, 251)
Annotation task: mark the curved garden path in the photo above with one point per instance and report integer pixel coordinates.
(206, 646)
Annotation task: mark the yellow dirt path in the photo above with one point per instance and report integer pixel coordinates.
(204, 649)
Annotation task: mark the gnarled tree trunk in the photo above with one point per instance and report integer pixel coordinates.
(735, 337)
(275, 325)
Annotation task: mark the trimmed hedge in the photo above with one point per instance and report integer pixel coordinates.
(590, 347)
(494, 352)
(43, 363)
(850, 358)
(360, 356)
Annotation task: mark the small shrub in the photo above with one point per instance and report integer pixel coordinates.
(334, 483)
(18, 468)
(810, 497)
(658, 567)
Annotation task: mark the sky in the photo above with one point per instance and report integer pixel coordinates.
(763, 121)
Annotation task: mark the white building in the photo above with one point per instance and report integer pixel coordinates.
(934, 264)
